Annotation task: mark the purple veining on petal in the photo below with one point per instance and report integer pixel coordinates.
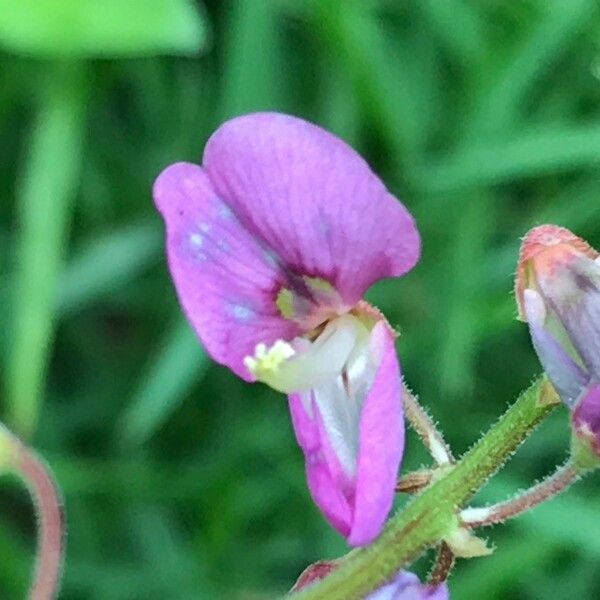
(284, 216)
(224, 282)
(313, 199)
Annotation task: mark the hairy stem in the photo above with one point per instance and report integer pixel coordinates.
(18, 459)
(414, 482)
(443, 565)
(432, 515)
(427, 430)
(559, 481)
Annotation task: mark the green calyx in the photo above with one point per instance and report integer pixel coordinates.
(583, 455)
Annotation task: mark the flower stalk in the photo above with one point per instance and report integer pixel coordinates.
(431, 516)
(16, 458)
(426, 429)
(556, 483)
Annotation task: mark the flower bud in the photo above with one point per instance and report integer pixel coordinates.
(558, 294)
(586, 420)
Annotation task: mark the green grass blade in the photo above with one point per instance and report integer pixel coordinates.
(45, 199)
(531, 153)
(179, 364)
(253, 77)
(100, 28)
(108, 262)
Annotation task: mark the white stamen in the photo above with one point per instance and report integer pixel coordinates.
(320, 361)
(267, 361)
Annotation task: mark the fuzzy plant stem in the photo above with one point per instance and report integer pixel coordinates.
(426, 429)
(559, 481)
(16, 458)
(432, 516)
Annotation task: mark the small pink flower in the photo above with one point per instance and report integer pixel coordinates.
(272, 243)
(558, 293)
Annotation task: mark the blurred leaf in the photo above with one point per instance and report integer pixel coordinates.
(16, 564)
(528, 154)
(568, 519)
(494, 576)
(459, 28)
(390, 91)
(253, 76)
(106, 263)
(178, 573)
(179, 364)
(559, 24)
(463, 295)
(93, 28)
(46, 198)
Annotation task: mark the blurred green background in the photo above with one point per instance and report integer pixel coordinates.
(180, 481)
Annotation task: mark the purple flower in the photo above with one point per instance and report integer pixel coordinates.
(586, 419)
(406, 586)
(558, 292)
(272, 243)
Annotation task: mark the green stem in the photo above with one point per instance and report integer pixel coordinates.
(432, 515)
(18, 459)
(45, 200)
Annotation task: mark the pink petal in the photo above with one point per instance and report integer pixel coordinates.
(313, 200)
(381, 443)
(225, 280)
(321, 474)
(357, 507)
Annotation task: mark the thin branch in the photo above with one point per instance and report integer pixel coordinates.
(427, 430)
(556, 483)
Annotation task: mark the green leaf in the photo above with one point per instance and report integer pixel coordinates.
(531, 153)
(253, 75)
(46, 199)
(179, 364)
(92, 28)
(106, 263)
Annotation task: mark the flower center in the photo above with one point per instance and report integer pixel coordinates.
(309, 301)
(302, 365)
